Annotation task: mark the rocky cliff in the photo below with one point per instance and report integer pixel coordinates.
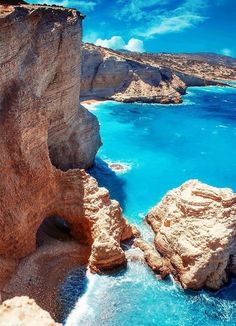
(23, 311)
(111, 75)
(195, 233)
(208, 66)
(44, 133)
(130, 77)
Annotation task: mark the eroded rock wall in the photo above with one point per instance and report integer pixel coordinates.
(195, 231)
(44, 131)
(143, 77)
(40, 70)
(110, 75)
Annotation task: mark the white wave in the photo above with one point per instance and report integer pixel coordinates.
(119, 167)
(221, 126)
(82, 306)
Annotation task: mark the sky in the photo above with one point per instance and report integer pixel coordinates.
(158, 25)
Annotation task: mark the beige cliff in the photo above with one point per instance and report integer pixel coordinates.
(44, 133)
(23, 311)
(195, 69)
(161, 78)
(195, 230)
(110, 75)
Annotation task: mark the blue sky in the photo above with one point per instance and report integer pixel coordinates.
(159, 25)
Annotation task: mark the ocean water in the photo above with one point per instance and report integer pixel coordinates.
(161, 147)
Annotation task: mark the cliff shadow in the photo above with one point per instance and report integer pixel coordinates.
(107, 178)
(217, 305)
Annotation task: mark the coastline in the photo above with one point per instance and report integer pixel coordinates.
(84, 101)
(96, 100)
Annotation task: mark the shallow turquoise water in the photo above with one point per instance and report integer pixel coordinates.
(162, 146)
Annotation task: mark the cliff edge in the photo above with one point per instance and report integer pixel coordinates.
(161, 78)
(44, 133)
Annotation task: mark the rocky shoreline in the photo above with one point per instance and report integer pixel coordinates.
(53, 214)
(127, 77)
(194, 227)
(48, 139)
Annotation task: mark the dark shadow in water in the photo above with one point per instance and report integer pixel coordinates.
(227, 292)
(110, 180)
(74, 286)
(214, 309)
(217, 107)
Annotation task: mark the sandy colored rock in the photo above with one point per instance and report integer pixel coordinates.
(143, 77)
(195, 229)
(111, 75)
(45, 132)
(157, 263)
(23, 311)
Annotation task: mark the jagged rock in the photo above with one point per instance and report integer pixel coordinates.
(195, 229)
(44, 132)
(23, 311)
(157, 263)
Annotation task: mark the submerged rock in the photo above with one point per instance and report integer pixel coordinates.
(195, 230)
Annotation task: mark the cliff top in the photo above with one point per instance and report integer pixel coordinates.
(203, 65)
(8, 6)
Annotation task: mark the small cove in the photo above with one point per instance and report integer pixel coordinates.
(162, 146)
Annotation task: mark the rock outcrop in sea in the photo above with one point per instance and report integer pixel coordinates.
(46, 138)
(195, 233)
(130, 77)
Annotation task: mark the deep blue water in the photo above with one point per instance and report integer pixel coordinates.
(162, 146)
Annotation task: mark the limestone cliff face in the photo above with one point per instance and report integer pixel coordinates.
(130, 77)
(110, 75)
(42, 129)
(195, 231)
(39, 73)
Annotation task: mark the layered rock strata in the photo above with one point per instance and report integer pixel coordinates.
(110, 75)
(195, 231)
(130, 77)
(45, 132)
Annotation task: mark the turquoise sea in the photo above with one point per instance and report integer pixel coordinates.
(161, 146)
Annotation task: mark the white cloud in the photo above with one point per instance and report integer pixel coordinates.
(118, 43)
(162, 16)
(115, 42)
(227, 52)
(136, 9)
(171, 25)
(135, 45)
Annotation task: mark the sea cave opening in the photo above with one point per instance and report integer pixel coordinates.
(52, 229)
(62, 254)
